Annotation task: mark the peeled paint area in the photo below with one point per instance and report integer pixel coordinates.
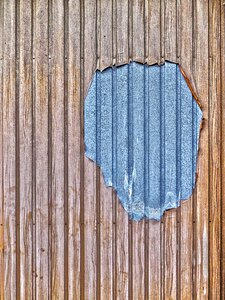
(142, 128)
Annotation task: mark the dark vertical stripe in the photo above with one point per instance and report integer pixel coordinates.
(33, 87)
(130, 167)
(98, 160)
(66, 149)
(114, 173)
(82, 236)
(130, 127)
(50, 146)
(146, 177)
(178, 135)
(17, 141)
(162, 135)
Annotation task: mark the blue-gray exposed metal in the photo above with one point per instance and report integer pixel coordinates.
(142, 128)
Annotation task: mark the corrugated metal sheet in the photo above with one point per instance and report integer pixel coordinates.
(142, 127)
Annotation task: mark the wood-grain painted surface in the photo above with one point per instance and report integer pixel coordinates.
(63, 234)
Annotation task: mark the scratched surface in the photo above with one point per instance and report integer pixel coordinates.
(142, 128)
(63, 233)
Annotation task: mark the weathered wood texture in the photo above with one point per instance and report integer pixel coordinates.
(63, 234)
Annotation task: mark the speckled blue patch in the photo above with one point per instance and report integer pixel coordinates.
(142, 128)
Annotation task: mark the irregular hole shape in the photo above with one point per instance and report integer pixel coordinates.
(142, 127)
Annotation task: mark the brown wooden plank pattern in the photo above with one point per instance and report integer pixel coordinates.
(63, 234)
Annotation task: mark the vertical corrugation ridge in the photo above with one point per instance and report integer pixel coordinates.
(114, 124)
(162, 163)
(146, 190)
(130, 127)
(114, 163)
(195, 141)
(98, 117)
(130, 167)
(114, 280)
(178, 136)
(192, 168)
(178, 233)
(162, 135)
(97, 182)
(146, 133)
(148, 140)
(98, 159)
(138, 141)
(170, 134)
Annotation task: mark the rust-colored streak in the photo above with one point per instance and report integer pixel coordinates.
(190, 86)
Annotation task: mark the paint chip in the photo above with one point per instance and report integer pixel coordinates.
(142, 127)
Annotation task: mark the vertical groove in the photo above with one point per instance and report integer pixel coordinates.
(130, 139)
(177, 175)
(98, 151)
(161, 222)
(178, 211)
(195, 194)
(178, 189)
(49, 153)
(2, 222)
(114, 174)
(130, 163)
(98, 158)
(114, 208)
(162, 58)
(221, 157)
(162, 30)
(163, 178)
(17, 146)
(33, 204)
(130, 30)
(66, 15)
(2, 16)
(115, 34)
(82, 241)
(209, 143)
(113, 31)
(146, 226)
(145, 44)
(178, 25)
(50, 146)
(146, 236)
(194, 216)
